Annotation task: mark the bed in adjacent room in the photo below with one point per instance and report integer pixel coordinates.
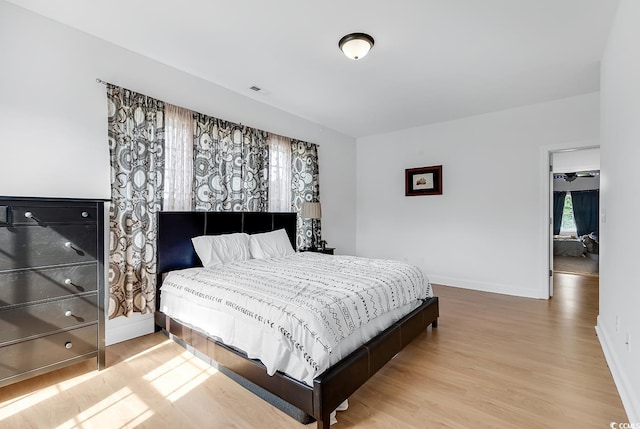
(305, 328)
(568, 246)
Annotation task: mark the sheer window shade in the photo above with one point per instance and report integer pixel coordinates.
(178, 186)
(279, 173)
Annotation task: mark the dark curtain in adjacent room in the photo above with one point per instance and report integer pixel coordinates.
(558, 207)
(586, 209)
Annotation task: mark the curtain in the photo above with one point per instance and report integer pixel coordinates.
(558, 207)
(136, 145)
(231, 166)
(279, 173)
(178, 167)
(305, 187)
(209, 164)
(586, 210)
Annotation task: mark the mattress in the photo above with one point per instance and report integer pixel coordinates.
(298, 314)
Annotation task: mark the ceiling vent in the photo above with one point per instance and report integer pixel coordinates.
(259, 90)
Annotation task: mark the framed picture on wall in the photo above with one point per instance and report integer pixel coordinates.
(423, 181)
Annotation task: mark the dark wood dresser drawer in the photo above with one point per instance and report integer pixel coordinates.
(53, 349)
(31, 214)
(37, 246)
(37, 319)
(23, 286)
(52, 256)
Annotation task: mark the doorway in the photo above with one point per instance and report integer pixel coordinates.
(574, 206)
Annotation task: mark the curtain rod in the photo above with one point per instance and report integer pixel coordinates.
(101, 81)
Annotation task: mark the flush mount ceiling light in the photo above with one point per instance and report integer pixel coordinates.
(356, 45)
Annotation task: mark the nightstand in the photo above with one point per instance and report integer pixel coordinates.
(326, 250)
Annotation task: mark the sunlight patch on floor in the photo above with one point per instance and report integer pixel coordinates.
(169, 378)
(122, 408)
(149, 350)
(21, 403)
(188, 386)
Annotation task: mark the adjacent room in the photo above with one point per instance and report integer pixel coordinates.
(344, 214)
(576, 211)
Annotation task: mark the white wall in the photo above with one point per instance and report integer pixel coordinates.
(488, 230)
(54, 127)
(620, 188)
(576, 160)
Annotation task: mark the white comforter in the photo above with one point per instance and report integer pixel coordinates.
(298, 314)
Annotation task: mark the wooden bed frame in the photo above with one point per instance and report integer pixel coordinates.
(331, 388)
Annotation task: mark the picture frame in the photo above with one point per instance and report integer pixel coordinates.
(423, 181)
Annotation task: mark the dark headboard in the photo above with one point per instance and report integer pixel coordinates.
(176, 229)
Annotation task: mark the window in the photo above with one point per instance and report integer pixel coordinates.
(568, 226)
(279, 173)
(178, 167)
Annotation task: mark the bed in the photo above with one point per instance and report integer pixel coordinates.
(317, 397)
(568, 246)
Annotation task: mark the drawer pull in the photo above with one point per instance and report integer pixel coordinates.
(69, 313)
(85, 214)
(30, 215)
(68, 344)
(70, 282)
(70, 245)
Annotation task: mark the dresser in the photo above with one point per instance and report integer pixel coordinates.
(51, 285)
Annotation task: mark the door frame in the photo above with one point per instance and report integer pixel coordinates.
(546, 212)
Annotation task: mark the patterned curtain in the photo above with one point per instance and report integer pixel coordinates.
(136, 145)
(305, 187)
(231, 166)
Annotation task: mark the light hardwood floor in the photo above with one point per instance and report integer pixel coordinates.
(494, 361)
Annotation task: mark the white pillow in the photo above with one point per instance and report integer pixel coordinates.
(270, 244)
(216, 250)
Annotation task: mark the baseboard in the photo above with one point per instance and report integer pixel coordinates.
(125, 328)
(485, 287)
(627, 394)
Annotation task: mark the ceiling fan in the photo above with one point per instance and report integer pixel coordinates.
(570, 177)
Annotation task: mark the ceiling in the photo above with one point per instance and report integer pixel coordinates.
(433, 60)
